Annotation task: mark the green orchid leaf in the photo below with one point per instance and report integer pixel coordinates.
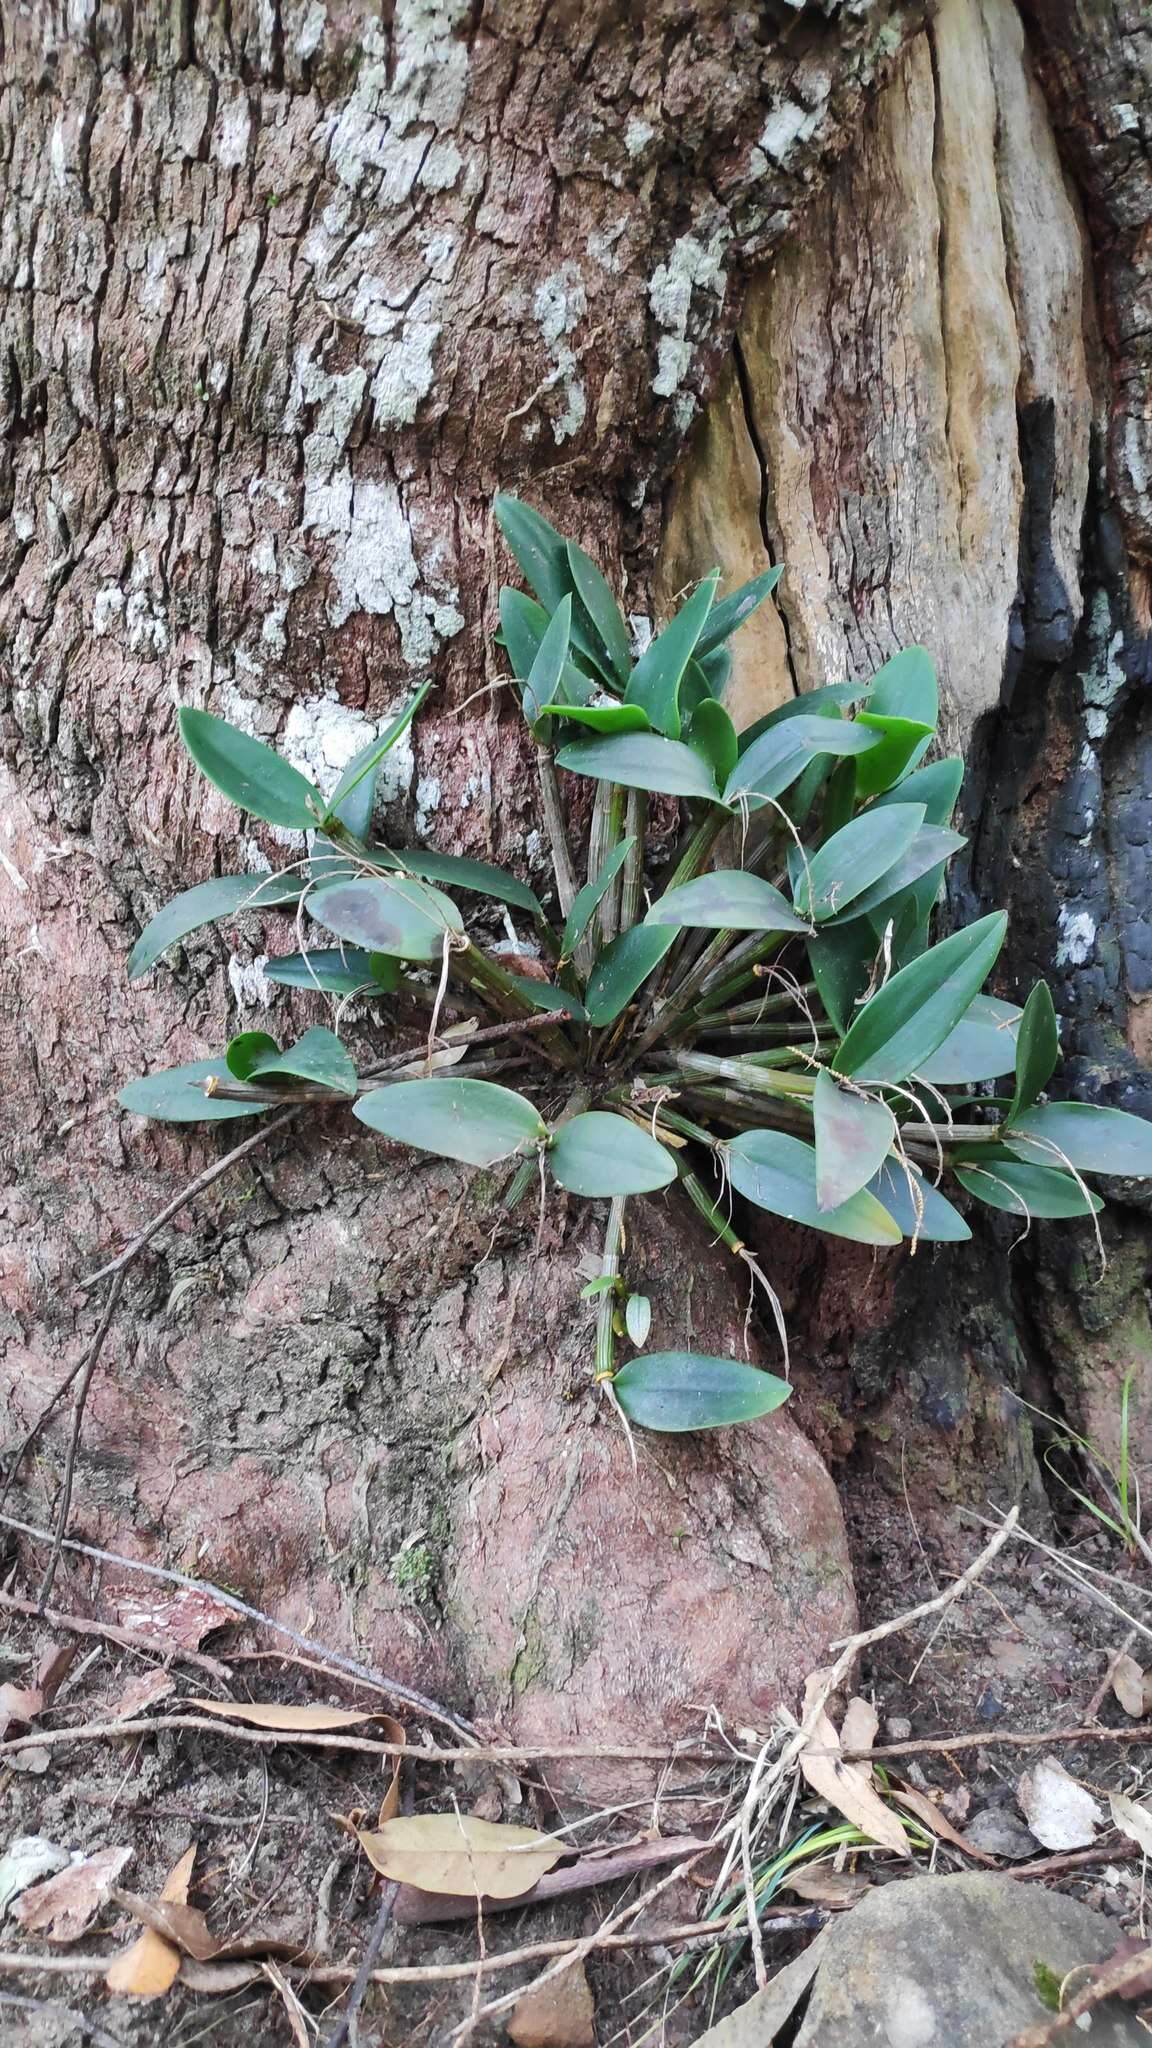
(544, 995)
(1037, 1050)
(476, 1122)
(354, 798)
(228, 896)
(827, 702)
(905, 1022)
(599, 1154)
(904, 706)
(937, 787)
(711, 734)
(638, 1318)
(930, 848)
(460, 872)
(545, 677)
(715, 669)
(785, 750)
(981, 1048)
(778, 1173)
(523, 626)
(1024, 1190)
(673, 1391)
(590, 897)
(176, 1096)
(726, 899)
(622, 967)
(317, 1056)
(927, 1214)
(250, 774)
(842, 957)
(854, 1135)
(244, 1051)
(541, 553)
(608, 718)
(729, 613)
(602, 612)
(402, 917)
(1083, 1135)
(655, 681)
(334, 971)
(642, 760)
(848, 864)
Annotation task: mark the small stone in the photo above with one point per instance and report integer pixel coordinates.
(558, 2015)
(1000, 1833)
(897, 1728)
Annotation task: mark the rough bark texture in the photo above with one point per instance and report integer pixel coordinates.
(287, 292)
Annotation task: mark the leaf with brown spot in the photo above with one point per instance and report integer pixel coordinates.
(1132, 1687)
(64, 1907)
(849, 1788)
(307, 1720)
(151, 1966)
(460, 1855)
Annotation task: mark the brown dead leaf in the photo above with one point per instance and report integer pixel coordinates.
(309, 1720)
(1133, 1820)
(937, 1823)
(64, 1907)
(151, 1966)
(141, 1693)
(1132, 1687)
(850, 1788)
(824, 1885)
(390, 1804)
(460, 1855)
(186, 1929)
(218, 1979)
(179, 1620)
(19, 1706)
(55, 1665)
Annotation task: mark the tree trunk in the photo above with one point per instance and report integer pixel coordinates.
(289, 292)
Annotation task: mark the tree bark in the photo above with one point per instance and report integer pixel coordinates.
(289, 291)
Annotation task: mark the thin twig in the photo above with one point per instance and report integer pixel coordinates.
(363, 1977)
(126, 1638)
(989, 1738)
(238, 1731)
(555, 827)
(392, 1686)
(1110, 1670)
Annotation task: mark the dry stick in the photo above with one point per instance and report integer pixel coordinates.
(126, 1638)
(1074, 1574)
(566, 884)
(1110, 1670)
(110, 1731)
(392, 1686)
(692, 1931)
(943, 1745)
(363, 1977)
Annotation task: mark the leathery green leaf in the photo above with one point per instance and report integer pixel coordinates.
(250, 774)
(177, 1096)
(1088, 1137)
(622, 967)
(863, 851)
(598, 1154)
(476, 1122)
(1037, 1049)
(910, 1017)
(642, 760)
(1024, 1190)
(317, 1056)
(778, 1173)
(674, 1391)
(227, 896)
(726, 899)
(854, 1135)
(405, 918)
(655, 681)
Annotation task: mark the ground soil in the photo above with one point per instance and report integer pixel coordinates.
(1024, 1652)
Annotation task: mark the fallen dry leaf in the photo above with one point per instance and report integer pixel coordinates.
(558, 2014)
(187, 1930)
(142, 1693)
(151, 1966)
(824, 1885)
(309, 1720)
(173, 1621)
(455, 1853)
(64, 1907)
(927, 1811)
(1059, 1811)
(1132, 1820)
(416, 1908)
(19, 1706)
(850, 1788)
(390, 1804)
(55, 1665)
(1132, 1687)
(218, 1979)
